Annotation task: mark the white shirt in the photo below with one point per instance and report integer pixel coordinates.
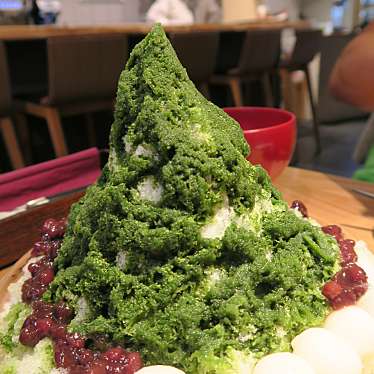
(292, 7)
(169, 12)
(207, 11)
(53, 6)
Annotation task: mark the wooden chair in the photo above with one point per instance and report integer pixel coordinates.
(197, 52)
(83, 72)
(308, 44)
(6, 124)
(258, 57)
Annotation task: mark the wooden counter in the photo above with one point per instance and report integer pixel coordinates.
(329, 200)
(27, 32)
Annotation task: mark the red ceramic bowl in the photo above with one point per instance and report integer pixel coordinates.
(271, 134)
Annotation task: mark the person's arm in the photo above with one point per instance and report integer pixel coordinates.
(352, 79)
(214, 11)
(169, 12)
(179, 13)
(158, 12)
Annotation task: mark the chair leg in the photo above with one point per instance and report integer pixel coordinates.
(236, 91)
(286, 88)
(11, 143)
(24, 136)
(266, 81)
(55, 131)
(90, 128)
(314, 111)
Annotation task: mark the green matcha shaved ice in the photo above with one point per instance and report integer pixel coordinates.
(183, 250)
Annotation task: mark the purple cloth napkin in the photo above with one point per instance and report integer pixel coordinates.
(49, 178)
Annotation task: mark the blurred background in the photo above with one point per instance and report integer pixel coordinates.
(60, 61)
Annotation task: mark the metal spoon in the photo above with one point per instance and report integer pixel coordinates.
(363, 193)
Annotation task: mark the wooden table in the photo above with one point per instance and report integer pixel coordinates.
(27, 32)
(329, 200)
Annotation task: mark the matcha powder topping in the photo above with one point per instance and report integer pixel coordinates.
(183, 250)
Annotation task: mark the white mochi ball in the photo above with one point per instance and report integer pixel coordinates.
(355, 326)
(326, 353)
(366, 302)
(283, 363)
(365, 259)
(159, 369)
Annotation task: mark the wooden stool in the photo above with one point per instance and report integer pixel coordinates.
(258, 58)
(194, 47)
(308, 44)
(11, 143)
(83, 72)
(6, 107)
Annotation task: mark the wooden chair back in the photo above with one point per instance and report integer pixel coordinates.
(260, 52)
(82, 68)
(308, 44)
(197, 52)
(5, 95)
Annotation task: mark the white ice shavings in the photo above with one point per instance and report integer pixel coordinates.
(15, 289)
(113, 160)
(141, 150)
(199, 134)
(144, 149)
(149, 189)
(252, 220)
(128, 146)
(82, 310)
(221, 220)
(269, 255)
(213, 277)
(310, 220)
(248, 334)
(225, 216)
(121, 260)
